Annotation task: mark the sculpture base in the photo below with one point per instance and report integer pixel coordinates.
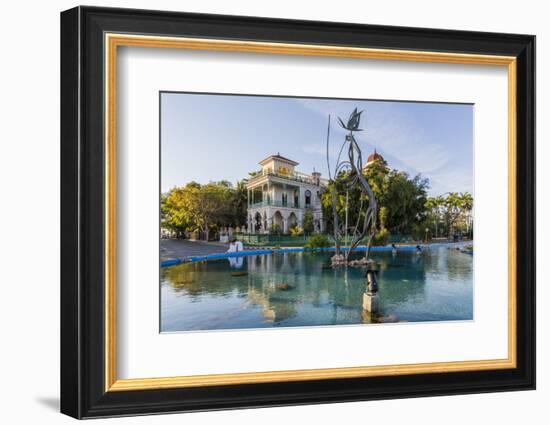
(371, 302)
(340, 260)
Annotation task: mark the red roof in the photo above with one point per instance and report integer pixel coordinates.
(374, 157)
(278, 157)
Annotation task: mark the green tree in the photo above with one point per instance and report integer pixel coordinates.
(172, 213)
(377, 175)
(240, 203)
(383, 217)
(456, 207)
(352, 197)
(307, 222)
(434, 207)
(405, 201)
(401, 199)
(317, 241)
(275, 229)
(202, 208)
(449, 213)
(213, 207)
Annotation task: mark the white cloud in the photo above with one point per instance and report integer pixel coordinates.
(399, 137)
(396, 135)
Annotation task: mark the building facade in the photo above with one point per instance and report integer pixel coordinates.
(279, 197)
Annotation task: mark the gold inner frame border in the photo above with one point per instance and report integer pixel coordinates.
(113, 40)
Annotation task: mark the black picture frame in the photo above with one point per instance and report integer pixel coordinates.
(83, 392)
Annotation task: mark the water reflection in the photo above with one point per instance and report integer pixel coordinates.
(298, 289)
(235, 262)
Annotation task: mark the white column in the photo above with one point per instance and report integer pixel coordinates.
(269, 220)
(285, 225)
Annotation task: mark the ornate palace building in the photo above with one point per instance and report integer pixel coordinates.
(279, 196)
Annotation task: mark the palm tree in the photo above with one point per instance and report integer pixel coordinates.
(457, 205)
(467, 201)
(435, 207)
(467, 205)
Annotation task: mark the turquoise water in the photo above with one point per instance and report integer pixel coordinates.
(296, 289)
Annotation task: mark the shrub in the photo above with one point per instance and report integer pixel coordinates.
(307, 222)
(318, 241)
(275, 230)
(296, 231)
(381, 238)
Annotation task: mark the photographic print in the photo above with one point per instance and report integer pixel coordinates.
(333, 190)
(281, 212)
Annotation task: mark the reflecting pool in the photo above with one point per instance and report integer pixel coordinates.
(298, 289)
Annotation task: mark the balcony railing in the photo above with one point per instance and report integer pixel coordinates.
(297, 177)
(275, 204)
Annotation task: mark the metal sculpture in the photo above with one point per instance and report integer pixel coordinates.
(372, 284)
(350, 173)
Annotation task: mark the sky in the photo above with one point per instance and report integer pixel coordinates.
(208, 137)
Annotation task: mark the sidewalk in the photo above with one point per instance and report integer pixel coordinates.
(179, 248)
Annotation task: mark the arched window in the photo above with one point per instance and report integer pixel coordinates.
(308, 198)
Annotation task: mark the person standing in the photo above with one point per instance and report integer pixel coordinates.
(239, 245)
(235, 246)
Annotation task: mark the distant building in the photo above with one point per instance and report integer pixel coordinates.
(373, 157)
(279, 196)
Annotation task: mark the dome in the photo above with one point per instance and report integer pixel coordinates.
(374, 157)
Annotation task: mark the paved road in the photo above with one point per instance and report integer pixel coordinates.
(179, 248)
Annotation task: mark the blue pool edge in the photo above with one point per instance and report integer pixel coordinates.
(222, 255)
